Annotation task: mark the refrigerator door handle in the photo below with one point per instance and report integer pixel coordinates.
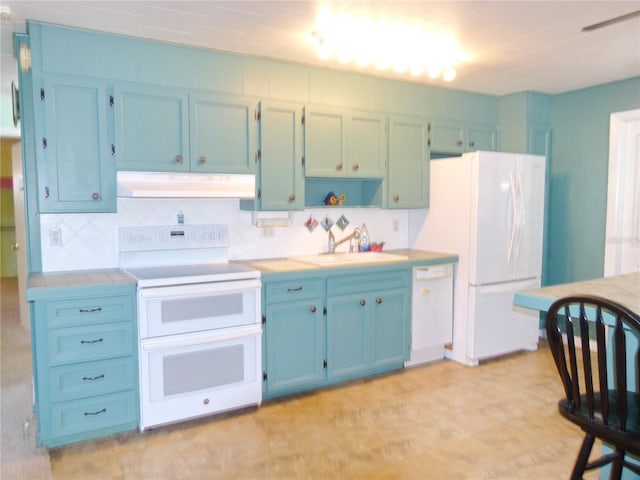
(512, 189)
(521, 220)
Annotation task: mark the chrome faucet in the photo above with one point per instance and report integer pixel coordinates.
(333, 244)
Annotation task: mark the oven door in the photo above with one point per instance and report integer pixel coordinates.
(188, 376)
(193, 308)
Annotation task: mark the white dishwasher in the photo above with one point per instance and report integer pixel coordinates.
(431, 312)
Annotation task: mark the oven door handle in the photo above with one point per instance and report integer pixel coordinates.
(172, 342)
(198, 289)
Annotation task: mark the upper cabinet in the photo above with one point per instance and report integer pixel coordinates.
(408, 177)
(281, 177)
(457, 138)
(222, 133)
(151, 128)
(344, 144)
(172, 130)
(76, 170)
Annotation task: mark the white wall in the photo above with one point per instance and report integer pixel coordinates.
(90, 240)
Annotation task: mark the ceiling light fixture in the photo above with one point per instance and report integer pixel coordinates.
(384, 45)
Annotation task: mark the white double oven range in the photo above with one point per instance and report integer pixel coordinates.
(199, 322)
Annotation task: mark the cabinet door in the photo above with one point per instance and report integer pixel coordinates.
(367, 145)
(281, 175)
(222, 134)
(152, 128)
(408, 163)
(348, 351)
(390, 319)
(481, 138)
(294, 336)
(325, 135)
(446, 137)
(77, 173)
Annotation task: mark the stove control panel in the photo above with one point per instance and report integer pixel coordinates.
(172, 237)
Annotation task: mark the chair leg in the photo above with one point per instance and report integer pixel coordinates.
(616, 466)
(583, 457)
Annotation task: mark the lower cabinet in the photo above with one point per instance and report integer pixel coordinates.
(368, 319)
(363, 330)
(294, 335)
(85, 363)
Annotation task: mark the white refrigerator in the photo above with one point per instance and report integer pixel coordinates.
(488, 207)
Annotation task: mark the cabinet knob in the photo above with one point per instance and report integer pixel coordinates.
(363, 302)
(459, 143)
(313, 309)
(178, 158)
(396, 198)
(202, 160)
(356, 166)
(472, 144)
(95, 196)
(378, 300)
(339, 166)
(292, 197)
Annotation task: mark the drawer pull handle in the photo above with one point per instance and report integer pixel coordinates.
(378, 300)
(104, 410)
(297, 289)
(363, 302)
(90, 310)
(313, 309)
(91, 341)
(92, 379)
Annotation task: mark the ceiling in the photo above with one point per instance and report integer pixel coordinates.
(513, 45)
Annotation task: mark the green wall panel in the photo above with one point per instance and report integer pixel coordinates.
(578, 178)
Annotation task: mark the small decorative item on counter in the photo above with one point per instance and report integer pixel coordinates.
(180, 217)
(326, 223)
(342, 222)
(311, 223)
(363, 244)
(377, 246)
(341, 199)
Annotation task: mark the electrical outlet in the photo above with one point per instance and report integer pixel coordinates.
(396, 225)
(55, 236)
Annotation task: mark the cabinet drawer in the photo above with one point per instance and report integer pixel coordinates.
(81, 380)
(94, 342)
(293, 290)
(368, 282)
(86, 310)
(93, 413)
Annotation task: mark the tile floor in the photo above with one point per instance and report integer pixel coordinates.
(439, 421)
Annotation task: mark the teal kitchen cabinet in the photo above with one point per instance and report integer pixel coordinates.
(455, 138)
(408, 175)
(151, 128)
(294, 335)
(76, 170)
(85, 363)
(368, 320)
(280, 169)
(166, 129)
(344, 144)
(222, 133)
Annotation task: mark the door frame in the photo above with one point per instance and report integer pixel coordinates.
(620, 167)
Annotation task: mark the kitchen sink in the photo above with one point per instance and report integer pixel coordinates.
(357, 258)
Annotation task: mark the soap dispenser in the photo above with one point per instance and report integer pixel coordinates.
(364, 238)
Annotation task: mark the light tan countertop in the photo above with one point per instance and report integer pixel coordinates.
(622, 289)
(44, 284)
(408, 257)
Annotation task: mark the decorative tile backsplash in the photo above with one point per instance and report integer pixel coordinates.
(91, 240)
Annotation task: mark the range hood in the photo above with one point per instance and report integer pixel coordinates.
(186, 185)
